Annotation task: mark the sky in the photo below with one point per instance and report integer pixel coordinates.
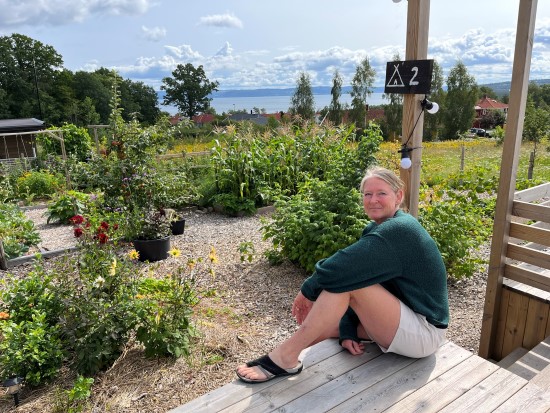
(246, 44)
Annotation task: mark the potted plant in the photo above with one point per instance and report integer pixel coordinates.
(177, 224)
(153, 230)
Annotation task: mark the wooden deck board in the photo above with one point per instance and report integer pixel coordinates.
(452, 380)
(531, 399)
(446, 388)
(488, 394)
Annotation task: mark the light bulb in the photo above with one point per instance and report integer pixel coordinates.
(433, 109)
(406, 163)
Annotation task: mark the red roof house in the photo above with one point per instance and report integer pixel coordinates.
(486, 104)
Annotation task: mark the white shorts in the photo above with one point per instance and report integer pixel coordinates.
(415, 336)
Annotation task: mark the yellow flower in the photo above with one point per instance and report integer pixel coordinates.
(112, 269)
(174, 252)
(4, 315)
(134, 255)
(213, 258)
(140, 296)
(191, 263)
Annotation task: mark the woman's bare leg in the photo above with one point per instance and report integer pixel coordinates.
(377, 309)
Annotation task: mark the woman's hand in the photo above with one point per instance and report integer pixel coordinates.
(353, 347)
(301, 307)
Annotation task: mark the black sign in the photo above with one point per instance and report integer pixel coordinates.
(409, 76)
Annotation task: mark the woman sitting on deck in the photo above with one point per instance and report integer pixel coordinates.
(389, 287)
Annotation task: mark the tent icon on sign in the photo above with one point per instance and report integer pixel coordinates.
(395, 79)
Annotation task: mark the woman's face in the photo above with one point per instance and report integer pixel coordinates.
(380, 200)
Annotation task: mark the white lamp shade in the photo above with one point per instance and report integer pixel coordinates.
(406, 163)
(433, 109)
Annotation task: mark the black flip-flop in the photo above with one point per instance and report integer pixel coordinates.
(270, 369)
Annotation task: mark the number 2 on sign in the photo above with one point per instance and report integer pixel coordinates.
(413, 82)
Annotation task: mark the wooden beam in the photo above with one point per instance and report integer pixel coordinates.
(530, 233)
(529, 255)
(508, 169)
(528, 277)
(418, 25)
(531, 211)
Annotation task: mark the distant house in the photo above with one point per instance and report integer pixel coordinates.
(251, 117)
(486, 104)
(17, 139)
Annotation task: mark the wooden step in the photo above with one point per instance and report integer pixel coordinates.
(511, 358)
(533, 362)
(542, 379)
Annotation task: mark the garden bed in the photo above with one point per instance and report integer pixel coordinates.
(244, 311)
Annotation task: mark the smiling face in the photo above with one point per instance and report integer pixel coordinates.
(380, 200)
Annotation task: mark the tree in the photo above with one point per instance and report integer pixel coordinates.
(462, 92)
(487, 91)
(302, 102)
(361, 88)
(27, 74)
(394, 111)
(335, 107)
(188, 89)
(432, 122)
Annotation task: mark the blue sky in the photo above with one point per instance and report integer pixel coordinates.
(255, 44)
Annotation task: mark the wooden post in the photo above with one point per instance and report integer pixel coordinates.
(531, 165)
(3, 260)
(508, 170)
(418, 22)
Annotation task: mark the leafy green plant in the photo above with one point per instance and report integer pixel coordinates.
(153, 224)
(97, 288)
(233, 204)
(460, 218)
(247, 251)
(321, 219)
(17, 232)
(65, 206)
(77, 141)
(30, 348)
(38, 184)
(75, 399)
(164, 310)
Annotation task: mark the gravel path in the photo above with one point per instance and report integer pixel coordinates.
(248, 312)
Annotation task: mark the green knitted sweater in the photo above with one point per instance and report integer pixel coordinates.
(399, 255)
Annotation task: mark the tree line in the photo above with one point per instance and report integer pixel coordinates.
(34, 84)
(456, 101)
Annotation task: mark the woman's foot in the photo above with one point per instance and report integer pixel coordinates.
(265, 369)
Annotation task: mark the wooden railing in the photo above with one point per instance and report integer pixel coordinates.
(524, 310)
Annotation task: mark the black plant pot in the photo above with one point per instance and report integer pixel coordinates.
(152, 249)
(177, 227)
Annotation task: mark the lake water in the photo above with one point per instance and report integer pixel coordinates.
(273, 104)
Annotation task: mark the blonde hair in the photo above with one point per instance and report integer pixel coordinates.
(385, 175)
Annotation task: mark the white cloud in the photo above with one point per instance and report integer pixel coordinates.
(221, 20)
(59, 12)
(153, 34)
(183, 52)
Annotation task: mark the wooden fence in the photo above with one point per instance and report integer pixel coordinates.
(523, 308)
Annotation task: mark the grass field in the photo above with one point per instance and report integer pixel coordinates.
(442, 159)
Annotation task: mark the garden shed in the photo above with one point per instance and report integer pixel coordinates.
(17, 138)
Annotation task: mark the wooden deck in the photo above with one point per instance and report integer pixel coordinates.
(452, 380)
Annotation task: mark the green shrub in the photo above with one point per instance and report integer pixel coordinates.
(164, 310)
(17, 232)
(38, 184)
(321, 219)
(31, 345)
(77, 141)
(74, 400)
(460, 219)
(30, 348)
(65, 206)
